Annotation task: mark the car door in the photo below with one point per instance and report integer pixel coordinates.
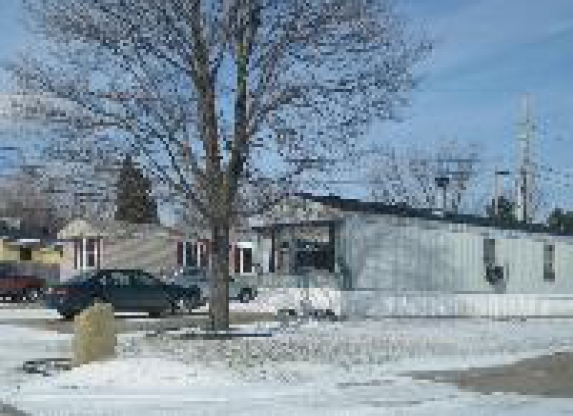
(149, 291)
(117, 290)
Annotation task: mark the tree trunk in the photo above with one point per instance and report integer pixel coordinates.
(219, 302)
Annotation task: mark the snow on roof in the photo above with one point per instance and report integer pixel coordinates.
(108, 228)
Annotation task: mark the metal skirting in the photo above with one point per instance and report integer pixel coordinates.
(370, 304)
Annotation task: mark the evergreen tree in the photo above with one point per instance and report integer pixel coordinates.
(505, 211)
(134, 202)
(561, 221)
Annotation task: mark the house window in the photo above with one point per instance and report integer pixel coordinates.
(549, 263)
(247, 260)
(203, 255)
(180, 246)
(190, 254)
(91, 247)
(78, 254)
(236, 260)
(489, 251)
(25, 254)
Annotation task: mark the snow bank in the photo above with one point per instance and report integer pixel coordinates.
(379, 304)
(271, 300)
(9, 313)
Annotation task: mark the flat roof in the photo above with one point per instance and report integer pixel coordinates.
(309, 223)
(403, 210)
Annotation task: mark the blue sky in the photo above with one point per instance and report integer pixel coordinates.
(12, 33)
(488, 54)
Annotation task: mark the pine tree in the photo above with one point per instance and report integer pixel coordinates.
(561, 221)
(134, 202)
(505, 211)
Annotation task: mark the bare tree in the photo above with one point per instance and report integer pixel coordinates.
(410, 176)
(82, 177)
(24, 197)
(257, 92)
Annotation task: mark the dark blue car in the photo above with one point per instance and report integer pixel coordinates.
(127, 290)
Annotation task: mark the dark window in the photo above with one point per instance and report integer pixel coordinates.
(25, 254)
(314, 255)
(549, 263)
(489, 251)
(204, 255)
(237, 260)
(190, 254)
(91, 245)
(180, 253)
(247, 260)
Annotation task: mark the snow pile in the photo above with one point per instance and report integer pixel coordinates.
(8, 314)
(21, 344)
(363, 349)
(271, 300)
(130, 375)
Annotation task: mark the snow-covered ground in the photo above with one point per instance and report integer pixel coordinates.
(346, 368)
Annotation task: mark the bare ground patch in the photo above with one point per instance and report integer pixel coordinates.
(545, 376)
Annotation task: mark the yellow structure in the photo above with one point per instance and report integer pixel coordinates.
(29, 250)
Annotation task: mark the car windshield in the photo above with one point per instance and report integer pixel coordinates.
(191, 271)
(188, 275)
(81, 277)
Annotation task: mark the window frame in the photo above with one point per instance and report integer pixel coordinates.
(549, 263)
(244, 264)
(91, 253)
(489, 251)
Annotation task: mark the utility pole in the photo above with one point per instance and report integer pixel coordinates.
(442, 182)
(525, 177)
(457, 171)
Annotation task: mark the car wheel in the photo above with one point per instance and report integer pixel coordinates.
(17, 298)
(195, 299)
(186, 303)
(68, 316)
(33, 295)
(245, 296)
(156, 314)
